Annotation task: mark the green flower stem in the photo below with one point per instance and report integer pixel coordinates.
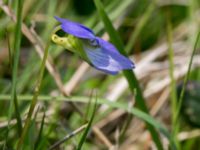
(34, 99)
(57, 28)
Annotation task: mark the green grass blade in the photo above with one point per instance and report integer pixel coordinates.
(39, 138)
(15, 60)
(171, 67)
(130, 76)
(173, 96)
(115, 105)
(9, 50)
(84, 136)
(34, 98)
(145, 17)
(125, 128)
(180, 101)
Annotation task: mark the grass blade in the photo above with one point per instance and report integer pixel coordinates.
(130, 76)
(40, 132)
(115, 105)
(171, 66)
(173, 96)
(34, 98)
(145, 17)
(180, 100)
(15, 60)
(88, 127)
(67, 137)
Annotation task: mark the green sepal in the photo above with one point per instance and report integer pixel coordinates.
(71, 43)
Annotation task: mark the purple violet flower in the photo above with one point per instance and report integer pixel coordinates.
(99, 53)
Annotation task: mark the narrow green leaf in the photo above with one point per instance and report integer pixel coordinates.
(84, 136)
(145, 17)
(39, 138)
(180, 101)
(130, 76)
(173, 96)
(34, 98)
(15, 56)
(117, 105)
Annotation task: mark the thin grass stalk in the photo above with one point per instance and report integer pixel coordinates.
(84, 136)
(39, 137)
(173, 95)
(145, 17)
(171, 68)
(116, 105)
(34, 98)
(180, 100)
(68, 136)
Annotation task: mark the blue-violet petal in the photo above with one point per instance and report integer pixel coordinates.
(75, 29)
(106, 58)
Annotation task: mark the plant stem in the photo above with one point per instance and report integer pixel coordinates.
(173, 95)
(34, 99)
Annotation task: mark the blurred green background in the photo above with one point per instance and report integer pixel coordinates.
(158, 35)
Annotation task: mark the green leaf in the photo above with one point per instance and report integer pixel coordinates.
(115, 105)
(130, 76)
(180, 100)
(39, 138)
(34, 97)
(15, 56)
(84, 136)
